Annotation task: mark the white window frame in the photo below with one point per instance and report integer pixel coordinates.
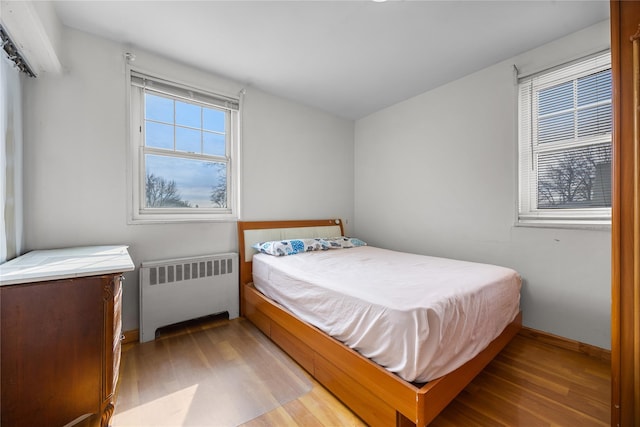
(528, 148)
(138, 213)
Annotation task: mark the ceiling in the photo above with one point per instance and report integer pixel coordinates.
(349, 58)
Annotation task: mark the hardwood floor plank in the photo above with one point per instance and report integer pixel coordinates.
(458, 414)
(503, 411)
(587, 402)
(277, 417)
(578, 373)
(170, 382)
(301, 414)
(336, 414)
(539, 406)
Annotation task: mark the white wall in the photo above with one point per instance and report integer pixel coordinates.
(437, 174)
(297, 161)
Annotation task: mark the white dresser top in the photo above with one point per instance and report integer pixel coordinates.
(54, 264)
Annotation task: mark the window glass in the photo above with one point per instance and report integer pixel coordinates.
(214, 120)
(555, 99)
(594, 88)
(158, 135)
(214, 144)
(575, 178)
(158, 108)
(176, 182)
(188, 115)
(184, 183)
(556, 127)
(188, 140)
(594, 120)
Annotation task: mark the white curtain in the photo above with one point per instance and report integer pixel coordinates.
(11, 218)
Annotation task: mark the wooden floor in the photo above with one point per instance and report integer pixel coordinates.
(530, 383)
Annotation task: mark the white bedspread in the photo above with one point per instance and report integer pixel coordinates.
(418, 316)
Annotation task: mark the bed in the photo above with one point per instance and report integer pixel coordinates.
(398, 395)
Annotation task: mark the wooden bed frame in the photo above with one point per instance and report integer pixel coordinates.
(376, 395)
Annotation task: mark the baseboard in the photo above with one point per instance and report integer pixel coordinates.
(566, 343)
(131, 336)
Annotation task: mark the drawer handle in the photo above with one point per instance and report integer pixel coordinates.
(122, 337)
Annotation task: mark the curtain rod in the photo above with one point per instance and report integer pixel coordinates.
(14, 54)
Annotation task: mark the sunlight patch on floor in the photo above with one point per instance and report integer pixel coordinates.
(169, 410)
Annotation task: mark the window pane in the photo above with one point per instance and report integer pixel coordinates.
(556, 128)
(575, 178)
(158, 108)
(594, 88)
(556, 98)
(188, 115)
(158, 135)
(218, 196)
(214, 144)
(173, 182)
(188, 140)
(214, 120)
(594, 120)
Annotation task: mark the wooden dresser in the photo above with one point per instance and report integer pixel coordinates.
(60, 336)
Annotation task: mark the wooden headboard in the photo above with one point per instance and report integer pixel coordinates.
(250, 232)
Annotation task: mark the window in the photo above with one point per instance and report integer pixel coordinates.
(565, 120)
(184, 151)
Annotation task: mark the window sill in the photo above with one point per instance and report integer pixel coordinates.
(567, 225)
(181, 220)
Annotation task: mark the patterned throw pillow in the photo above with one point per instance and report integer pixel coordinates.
(344, 242)
(291, 246)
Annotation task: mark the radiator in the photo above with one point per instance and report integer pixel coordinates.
(175, 290)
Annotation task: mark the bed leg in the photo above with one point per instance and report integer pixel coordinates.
(402, 421)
